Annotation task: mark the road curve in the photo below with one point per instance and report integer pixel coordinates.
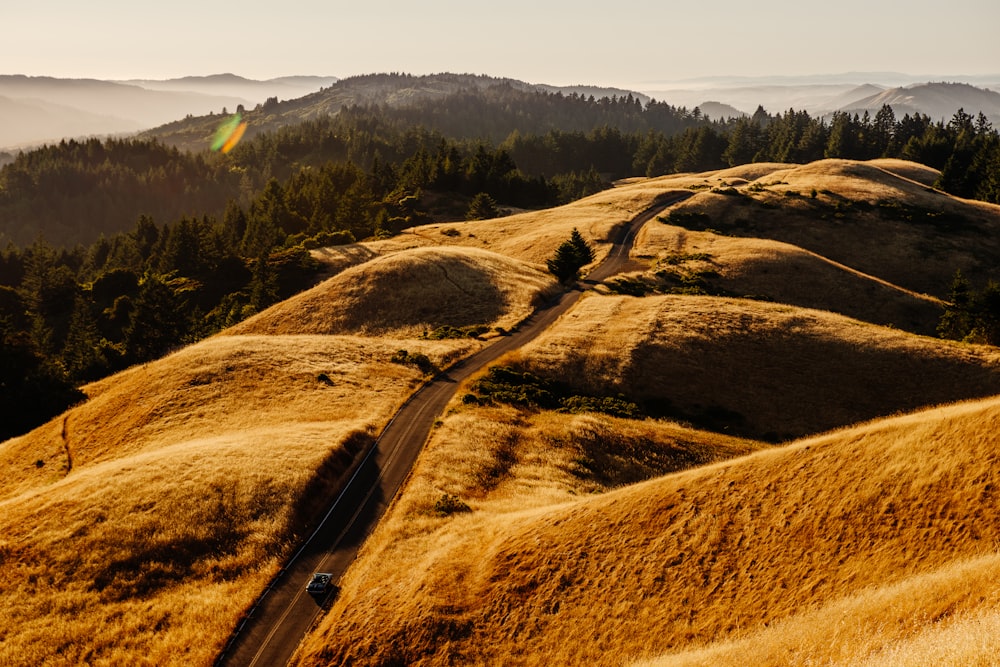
(285, 612)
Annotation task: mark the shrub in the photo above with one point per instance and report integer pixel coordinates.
(687, 219)
(448, 504)
(448, 331)
(421, 361)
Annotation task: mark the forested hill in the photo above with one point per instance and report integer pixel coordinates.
(438, 101)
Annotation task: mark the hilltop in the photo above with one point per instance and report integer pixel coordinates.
(151, 516)
(880, 218)
(396, 91)
(413, 292)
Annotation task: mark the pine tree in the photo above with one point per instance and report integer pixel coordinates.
(571, 256)
(482, 208)
(957, 321)
(584, 253)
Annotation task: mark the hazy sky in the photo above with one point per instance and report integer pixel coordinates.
(612, 43)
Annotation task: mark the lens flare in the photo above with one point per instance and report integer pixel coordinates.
(229, 134)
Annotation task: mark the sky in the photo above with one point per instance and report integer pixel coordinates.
(633, 44)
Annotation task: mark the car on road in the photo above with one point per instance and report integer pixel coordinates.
(320, 583)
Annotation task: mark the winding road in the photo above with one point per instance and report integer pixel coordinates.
(285, 612)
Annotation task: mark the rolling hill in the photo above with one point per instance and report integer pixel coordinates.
(879, 218)
(144, 522)
(388, 90)
(414, 291)
(834, 548)
(150, 517)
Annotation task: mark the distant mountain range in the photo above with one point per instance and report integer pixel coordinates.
(937, 100)
(36, 110)
(940, 101)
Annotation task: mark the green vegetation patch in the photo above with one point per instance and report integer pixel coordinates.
(676, 278)
(448, 504)
(686, 219)
(506, 384)
(421, 361)
(630, 286)
(448, 331)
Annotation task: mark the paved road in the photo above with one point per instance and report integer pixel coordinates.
(285, 612)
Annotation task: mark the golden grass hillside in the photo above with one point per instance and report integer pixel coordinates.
(534, 236)
(679, 259)
(870, 216)
(139, 527)
(865, 543)
(409, 292)
(753, 368)
(484, 467)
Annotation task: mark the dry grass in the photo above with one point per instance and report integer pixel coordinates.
(914, 171)
(531, 236)
(818, 539)
(752, 368)
(783, 273)
(189, 477)
(505, 464)
(945, 617)
(866, 216)
(138, 527)
(408, 292)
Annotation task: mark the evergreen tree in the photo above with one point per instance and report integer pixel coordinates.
(584, 252)
(957, 320)
(482, 207)
(158, 321)
(571, 256)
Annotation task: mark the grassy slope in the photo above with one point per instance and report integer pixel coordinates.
(90, 537)
(850, 249)
(407, 595)
(757, 369)
(530, 237)
(879, 520)
(859, 218)
(145, 532)
(784, 273)
(410, 291)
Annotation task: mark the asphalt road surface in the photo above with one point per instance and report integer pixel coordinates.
(285, 612)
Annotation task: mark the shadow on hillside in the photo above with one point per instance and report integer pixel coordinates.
(776, 387)
(909, 245)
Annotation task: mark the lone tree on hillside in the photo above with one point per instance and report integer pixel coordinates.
(571, 256)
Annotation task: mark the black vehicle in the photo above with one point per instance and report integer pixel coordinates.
(320, 583)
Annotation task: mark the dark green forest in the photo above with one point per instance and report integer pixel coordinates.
(118, 251)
